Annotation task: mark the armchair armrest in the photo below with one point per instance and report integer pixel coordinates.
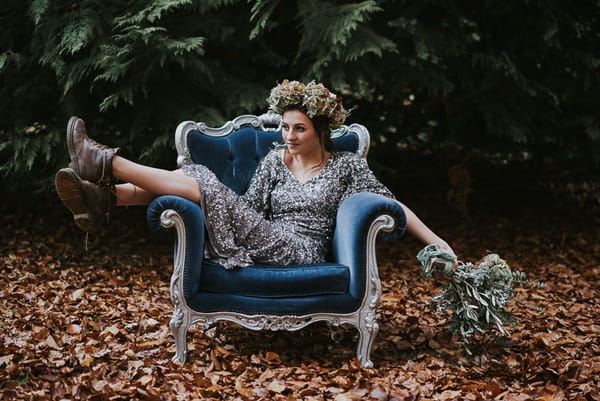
(359, 219)
(186, 217)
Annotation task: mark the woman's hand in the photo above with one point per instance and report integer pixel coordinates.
(446, 248)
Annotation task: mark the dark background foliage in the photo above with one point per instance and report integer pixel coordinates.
(481, 99)
(484, 106)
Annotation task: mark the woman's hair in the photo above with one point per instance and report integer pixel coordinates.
(321, 124)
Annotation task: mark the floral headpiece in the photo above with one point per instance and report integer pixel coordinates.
(316, 98)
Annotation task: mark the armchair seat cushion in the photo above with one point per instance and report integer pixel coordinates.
(264, 281)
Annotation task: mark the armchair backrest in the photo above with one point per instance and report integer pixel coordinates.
(234, 150)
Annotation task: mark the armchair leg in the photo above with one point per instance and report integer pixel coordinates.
(366, 337)
(179, 324)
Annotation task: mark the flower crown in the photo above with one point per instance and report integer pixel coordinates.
(316, 98)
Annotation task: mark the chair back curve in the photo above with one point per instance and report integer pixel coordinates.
(234, 150)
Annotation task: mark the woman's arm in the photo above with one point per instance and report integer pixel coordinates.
(258, 194)
(419, 230)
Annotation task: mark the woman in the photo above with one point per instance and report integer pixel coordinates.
(287, 215)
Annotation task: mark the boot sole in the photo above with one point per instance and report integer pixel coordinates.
(70, 192)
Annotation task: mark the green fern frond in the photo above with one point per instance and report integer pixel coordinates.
(151, 12)
(139, 33)
(187, 45)
(261, 13)
(366, 41)
(77, 35)
(4, 59)
(37, 9)
(10, 58)
(124, 94)
(162, 141)
(330, 24)
(159, 7)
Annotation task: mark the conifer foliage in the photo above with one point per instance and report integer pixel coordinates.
(511, 81)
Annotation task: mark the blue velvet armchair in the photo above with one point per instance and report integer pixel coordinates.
(345, 290)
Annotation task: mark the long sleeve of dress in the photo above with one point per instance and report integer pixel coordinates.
(258, 194)
(362, 179)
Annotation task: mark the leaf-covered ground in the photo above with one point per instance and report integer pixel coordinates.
(94, 325)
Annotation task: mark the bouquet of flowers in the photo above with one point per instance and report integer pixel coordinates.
(476, 294)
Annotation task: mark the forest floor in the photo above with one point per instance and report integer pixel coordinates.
(93, 324)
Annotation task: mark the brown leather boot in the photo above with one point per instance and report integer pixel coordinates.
(89, 203)
(90, 160)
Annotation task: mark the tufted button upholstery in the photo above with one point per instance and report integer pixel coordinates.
(233, 158)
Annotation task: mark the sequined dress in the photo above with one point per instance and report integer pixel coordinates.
(279, 220)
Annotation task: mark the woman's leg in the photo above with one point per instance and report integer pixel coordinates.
(131, 195)
(100, 165)
(153, 181)
(87, 187)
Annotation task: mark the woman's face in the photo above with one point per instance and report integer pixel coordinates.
(299, 133)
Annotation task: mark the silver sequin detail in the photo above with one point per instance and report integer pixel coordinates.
(279, 220)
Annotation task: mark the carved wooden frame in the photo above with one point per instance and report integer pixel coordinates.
(269, 121)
